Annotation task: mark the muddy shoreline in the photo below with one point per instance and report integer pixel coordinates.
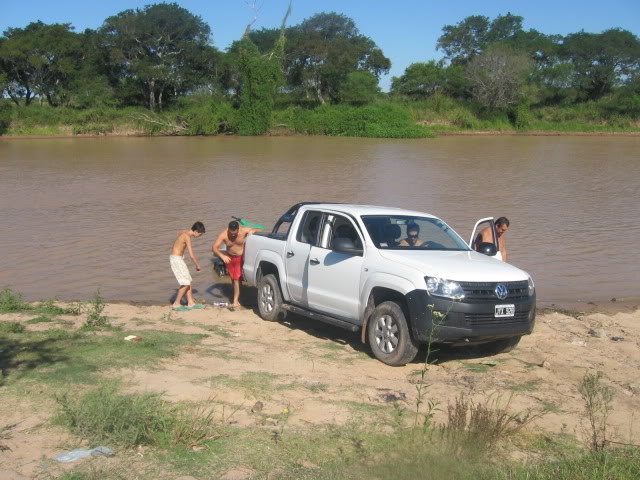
(499, 133)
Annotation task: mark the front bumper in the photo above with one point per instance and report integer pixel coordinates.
(466, 323)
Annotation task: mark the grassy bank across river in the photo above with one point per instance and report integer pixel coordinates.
(219, 394)
(383, 119)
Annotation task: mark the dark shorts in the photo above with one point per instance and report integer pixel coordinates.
(234, 267)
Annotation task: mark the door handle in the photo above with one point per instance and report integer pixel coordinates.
(314, 261)
(290, 254)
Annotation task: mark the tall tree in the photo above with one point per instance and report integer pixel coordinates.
(162, 49)
(41, 60)
(470, 37)
(498, 75)
(260, 75)
(321, 52)
(601, 61)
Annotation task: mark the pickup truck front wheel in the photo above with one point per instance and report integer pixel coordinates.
(389, 336)
(270, 299)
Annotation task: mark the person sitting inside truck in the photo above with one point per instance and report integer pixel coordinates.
(413, 234)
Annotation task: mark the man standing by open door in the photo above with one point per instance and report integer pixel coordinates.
(486, 235)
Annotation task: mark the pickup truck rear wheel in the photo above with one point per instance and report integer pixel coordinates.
(270, 299)
(389, 337)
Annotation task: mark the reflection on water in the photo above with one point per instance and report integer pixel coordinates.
(78, 214)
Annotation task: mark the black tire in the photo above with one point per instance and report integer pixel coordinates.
(270, 299)
(389, 337)
(504, 345)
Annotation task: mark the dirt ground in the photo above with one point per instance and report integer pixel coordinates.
(319, 374)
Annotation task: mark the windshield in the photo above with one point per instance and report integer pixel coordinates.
(412, 233)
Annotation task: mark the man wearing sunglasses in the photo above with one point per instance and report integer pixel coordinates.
(412, 240)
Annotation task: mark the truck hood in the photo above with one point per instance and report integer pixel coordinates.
(466, 266)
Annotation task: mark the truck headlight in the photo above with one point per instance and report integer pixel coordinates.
(439, 287)
(532, 287)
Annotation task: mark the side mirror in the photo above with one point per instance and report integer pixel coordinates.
(345, 245)
(487, 248)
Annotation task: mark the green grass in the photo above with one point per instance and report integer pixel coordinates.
(59, 357)
(618, 464)
(220, 331)
(258, 385)
(107, 416)
(528, 386)
(11, 327)
(476, 367)
(12, 302)
(40, 319)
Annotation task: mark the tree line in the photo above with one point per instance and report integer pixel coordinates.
(156, 55)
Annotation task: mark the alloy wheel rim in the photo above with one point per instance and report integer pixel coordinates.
(386, 334)
(266, 298)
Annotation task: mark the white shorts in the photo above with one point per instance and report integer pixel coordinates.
(180, 270)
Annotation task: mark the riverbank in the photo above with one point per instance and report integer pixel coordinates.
(443, 133)
(384, 119)
(301, 399)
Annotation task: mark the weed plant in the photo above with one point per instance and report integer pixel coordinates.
(105, 415)
(475, 428)
(597, 408)
(95, 318)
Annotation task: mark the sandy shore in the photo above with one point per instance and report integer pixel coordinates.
(322, 374)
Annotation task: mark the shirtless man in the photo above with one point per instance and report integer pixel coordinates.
(412, 240)
(502, 225)
(179, 267)
(233, 237)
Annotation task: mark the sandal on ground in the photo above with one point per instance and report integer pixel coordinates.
(231, 309)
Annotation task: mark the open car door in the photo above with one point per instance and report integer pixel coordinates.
(476, 242)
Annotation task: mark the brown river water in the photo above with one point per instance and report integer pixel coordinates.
(87, 213)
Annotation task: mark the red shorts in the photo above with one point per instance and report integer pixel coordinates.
(234, 267)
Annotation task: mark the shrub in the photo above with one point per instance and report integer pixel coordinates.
(521, 116)
(92, 129)
(382, 120)
(11, 302)
(129, 420)
(475, 428)
(5, 116)
(597, 405)
(11, 327)
(94, 315)
(359, 88)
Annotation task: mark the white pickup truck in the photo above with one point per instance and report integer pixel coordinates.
(384, 272)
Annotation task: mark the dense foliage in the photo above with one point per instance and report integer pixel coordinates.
(160, 60)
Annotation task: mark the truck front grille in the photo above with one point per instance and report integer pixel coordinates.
(489, 320)
(484, 292)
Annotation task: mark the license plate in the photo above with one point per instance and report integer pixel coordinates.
(505, 311)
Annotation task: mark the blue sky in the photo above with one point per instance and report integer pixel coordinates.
(406, 30)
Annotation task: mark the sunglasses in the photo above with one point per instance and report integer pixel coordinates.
(413, 236)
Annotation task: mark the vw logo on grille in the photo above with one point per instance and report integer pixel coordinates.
(501, 291)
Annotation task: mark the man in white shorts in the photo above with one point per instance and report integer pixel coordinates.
(179, 267)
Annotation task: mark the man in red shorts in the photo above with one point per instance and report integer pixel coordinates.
(234, 238)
